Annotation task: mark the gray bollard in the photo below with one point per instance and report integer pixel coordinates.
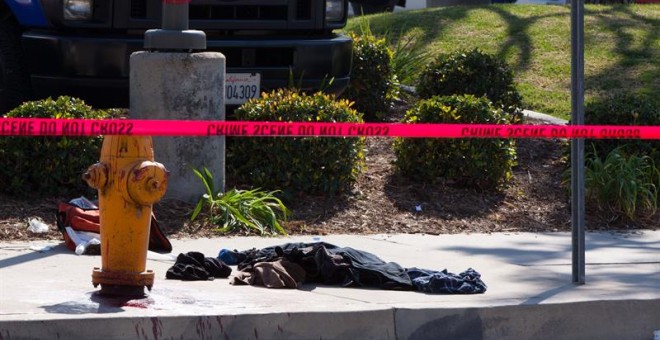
(170, 82)
(182, 86)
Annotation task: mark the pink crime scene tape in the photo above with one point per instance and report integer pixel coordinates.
(95, 127)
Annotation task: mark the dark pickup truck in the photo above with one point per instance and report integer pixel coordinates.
(82, 47)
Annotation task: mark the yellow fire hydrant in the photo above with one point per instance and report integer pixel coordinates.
(129, 182)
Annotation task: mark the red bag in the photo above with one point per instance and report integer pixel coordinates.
(87, 219)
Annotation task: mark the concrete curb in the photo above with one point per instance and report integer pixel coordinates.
(544, 117)
(620, 319)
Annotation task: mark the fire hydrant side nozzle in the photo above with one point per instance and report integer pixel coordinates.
(147, 183)
(96, 176)
(129, 182)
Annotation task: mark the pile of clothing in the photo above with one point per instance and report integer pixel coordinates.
(292, 264)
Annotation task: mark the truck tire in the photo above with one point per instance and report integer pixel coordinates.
(14, 81)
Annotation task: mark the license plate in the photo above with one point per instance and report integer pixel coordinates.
(239, 87)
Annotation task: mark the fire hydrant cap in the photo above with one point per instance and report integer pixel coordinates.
(147, 182)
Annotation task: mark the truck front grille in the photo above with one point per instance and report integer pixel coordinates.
(234, 15)
(139, 9)
(237, 12)
(257, 57)
(303, 9)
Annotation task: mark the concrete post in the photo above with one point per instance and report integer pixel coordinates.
(172, 82)
(182, 86)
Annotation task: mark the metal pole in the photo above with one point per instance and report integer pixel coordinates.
(175, 16)
(175, 35)
(577, 145)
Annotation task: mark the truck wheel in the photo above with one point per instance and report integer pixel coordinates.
(14, 82)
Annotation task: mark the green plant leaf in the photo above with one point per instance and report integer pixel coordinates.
(249, 210)
(198, 209)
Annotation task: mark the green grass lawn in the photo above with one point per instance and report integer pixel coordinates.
(622, 45)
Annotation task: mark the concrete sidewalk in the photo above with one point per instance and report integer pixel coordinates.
(47, 295)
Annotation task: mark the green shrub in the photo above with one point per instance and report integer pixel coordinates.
(247, 210)
(48, 165)
(625, 184)
(472, 72)
(296, 164)
(409, 56)
(625, 109)
(476, 163)
(373, 83)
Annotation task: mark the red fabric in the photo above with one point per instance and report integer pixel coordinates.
(88, 220)
(78, 219)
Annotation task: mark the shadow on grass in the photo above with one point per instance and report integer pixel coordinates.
(434, 23)
(632, 53)
(518, 36)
